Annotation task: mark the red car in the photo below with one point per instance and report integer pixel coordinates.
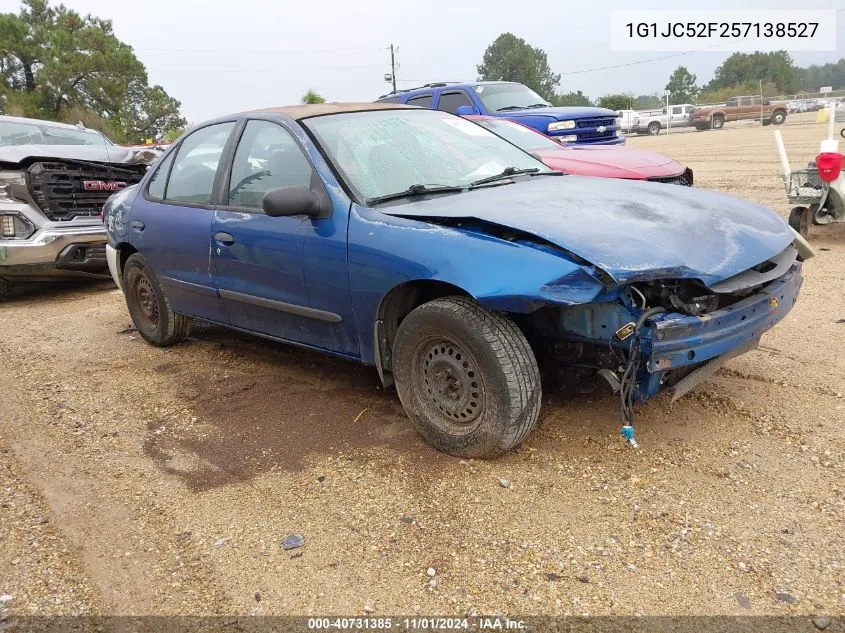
(604, 161)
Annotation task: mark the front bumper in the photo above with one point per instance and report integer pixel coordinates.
(676, 341)
(55, 252)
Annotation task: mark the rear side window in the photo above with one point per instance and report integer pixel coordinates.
(423, 101)
(192, 176)
(391, 100)
(451, 101)
(159, 178)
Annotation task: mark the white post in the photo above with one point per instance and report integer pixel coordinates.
(784, 161)
(831, 118)
(668, 111)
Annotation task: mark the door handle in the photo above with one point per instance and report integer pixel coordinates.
(138, 225)
(224, 238)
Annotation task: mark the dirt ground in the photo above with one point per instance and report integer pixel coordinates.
(136, 480)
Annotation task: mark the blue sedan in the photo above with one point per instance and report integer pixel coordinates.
(451, 260)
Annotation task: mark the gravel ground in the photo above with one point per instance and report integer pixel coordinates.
(138, 480)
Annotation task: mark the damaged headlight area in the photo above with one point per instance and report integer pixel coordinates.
(655, 334)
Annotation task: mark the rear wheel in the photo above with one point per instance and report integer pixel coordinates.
(654, 128)
(799, 219)
(148, 305)
(466, 377)
(718, 122)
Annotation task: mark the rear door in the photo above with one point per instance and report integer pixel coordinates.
(422, 101)
(452, 100)
(171, 223)
(285, 277)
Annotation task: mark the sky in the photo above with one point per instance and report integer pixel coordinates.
(222, 56)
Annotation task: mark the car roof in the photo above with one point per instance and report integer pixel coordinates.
(67, 126)
(443, 86)
(304, 111)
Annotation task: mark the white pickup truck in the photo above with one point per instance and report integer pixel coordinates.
(652, 121)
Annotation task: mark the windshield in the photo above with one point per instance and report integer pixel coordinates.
(502, 97)
(15, 133)
(519, 135)
(382, 152)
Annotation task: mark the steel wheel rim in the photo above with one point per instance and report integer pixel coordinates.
(146, 299)
(451, 385)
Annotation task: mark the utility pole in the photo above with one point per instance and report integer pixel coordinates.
(761, 102)
(392, 68)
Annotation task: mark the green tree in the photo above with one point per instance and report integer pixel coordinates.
(510, 58)
(54, 60)
(814, 77)
(745, 68)
(570, 99)
(682, 85)
(648, 102)
(719, 95)
(616, 102)
(313, 97)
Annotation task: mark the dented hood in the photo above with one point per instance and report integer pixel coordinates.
(630, 229)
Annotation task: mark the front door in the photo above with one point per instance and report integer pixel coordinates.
(264, 264)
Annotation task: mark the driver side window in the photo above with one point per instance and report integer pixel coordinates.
(267, 158)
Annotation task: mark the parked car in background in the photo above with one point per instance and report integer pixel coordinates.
(54, 179)
(738, 109)
(603, 161)
(424, 244)
(509, 100)
(626, 120)
(798, 106)
(652, 121)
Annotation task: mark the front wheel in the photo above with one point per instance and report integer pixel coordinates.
(148, 305)
(778, 118)
(654, 128)
(718, 122)
(466, 377)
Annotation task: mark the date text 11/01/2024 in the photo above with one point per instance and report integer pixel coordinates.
(479, 623)
(726, 30)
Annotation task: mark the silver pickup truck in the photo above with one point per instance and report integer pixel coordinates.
(652, 121)
(54, 180)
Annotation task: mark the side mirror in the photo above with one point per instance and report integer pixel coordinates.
(465, 110)
(287, 201)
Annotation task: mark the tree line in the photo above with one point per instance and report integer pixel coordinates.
(59, 65)
(511, 58)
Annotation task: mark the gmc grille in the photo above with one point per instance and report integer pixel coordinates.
(57, 186)
(607, 122)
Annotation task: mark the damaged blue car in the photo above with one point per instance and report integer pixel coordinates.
(452, 261)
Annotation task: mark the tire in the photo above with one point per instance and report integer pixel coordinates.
(466, 377)
(718, 122)
(767, 122)
(799, 219)
(149, 307)
(654, 128)
(778, 117)
(5, 290)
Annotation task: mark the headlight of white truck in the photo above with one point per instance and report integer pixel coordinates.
(561, 125)
(7, 179)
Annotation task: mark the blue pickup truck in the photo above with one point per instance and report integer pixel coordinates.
(580, 125)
